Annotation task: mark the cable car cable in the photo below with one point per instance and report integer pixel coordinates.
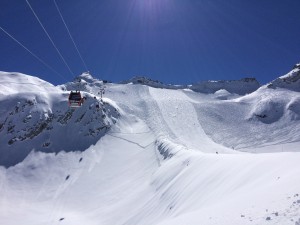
(70, 35)
(34, 55)
(49, 37)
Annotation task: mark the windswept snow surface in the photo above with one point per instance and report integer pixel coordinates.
(173, 157)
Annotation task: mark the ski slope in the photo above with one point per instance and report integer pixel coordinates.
(173, 157)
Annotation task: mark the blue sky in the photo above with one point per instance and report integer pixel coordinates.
(174, 41)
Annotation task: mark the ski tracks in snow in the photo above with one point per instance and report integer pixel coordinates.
(180, 115)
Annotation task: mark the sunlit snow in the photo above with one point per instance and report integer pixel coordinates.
(149, 155)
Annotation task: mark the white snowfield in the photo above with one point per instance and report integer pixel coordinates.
(173, 157)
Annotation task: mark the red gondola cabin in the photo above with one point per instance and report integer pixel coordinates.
(75, 99)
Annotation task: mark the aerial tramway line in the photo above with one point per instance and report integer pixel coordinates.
(75, 98)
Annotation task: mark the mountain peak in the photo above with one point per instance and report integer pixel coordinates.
(85, 76)
(289, 81)
(297, 66)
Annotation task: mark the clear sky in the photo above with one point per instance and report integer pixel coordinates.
(174, 41)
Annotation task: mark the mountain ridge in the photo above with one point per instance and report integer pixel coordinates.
(171, 156)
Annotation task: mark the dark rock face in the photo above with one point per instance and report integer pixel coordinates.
(297, 66)
(38, 126)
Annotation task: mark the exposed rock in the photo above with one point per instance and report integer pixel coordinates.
(66, 129)
(289, 81)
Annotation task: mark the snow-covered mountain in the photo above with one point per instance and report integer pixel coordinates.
(35, 116)
(241, 87)
(223, 152)
(289, 81)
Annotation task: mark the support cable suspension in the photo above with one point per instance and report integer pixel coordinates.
(34, 55)
(49, 37)
(70, 35)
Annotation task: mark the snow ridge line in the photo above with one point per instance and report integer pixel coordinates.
(167, 148)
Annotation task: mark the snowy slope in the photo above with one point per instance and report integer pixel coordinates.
(13, 83)
(264, 118)
(35, 116)
(170, 157)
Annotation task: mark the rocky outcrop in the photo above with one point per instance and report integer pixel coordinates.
(152, 83)
(289, 81)
(28, 125)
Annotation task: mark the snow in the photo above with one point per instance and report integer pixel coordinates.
(289, 81)
(170, 156)
(39, 118)
(12, 83)
(240, 87)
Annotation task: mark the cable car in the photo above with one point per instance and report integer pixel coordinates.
(75, 99)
